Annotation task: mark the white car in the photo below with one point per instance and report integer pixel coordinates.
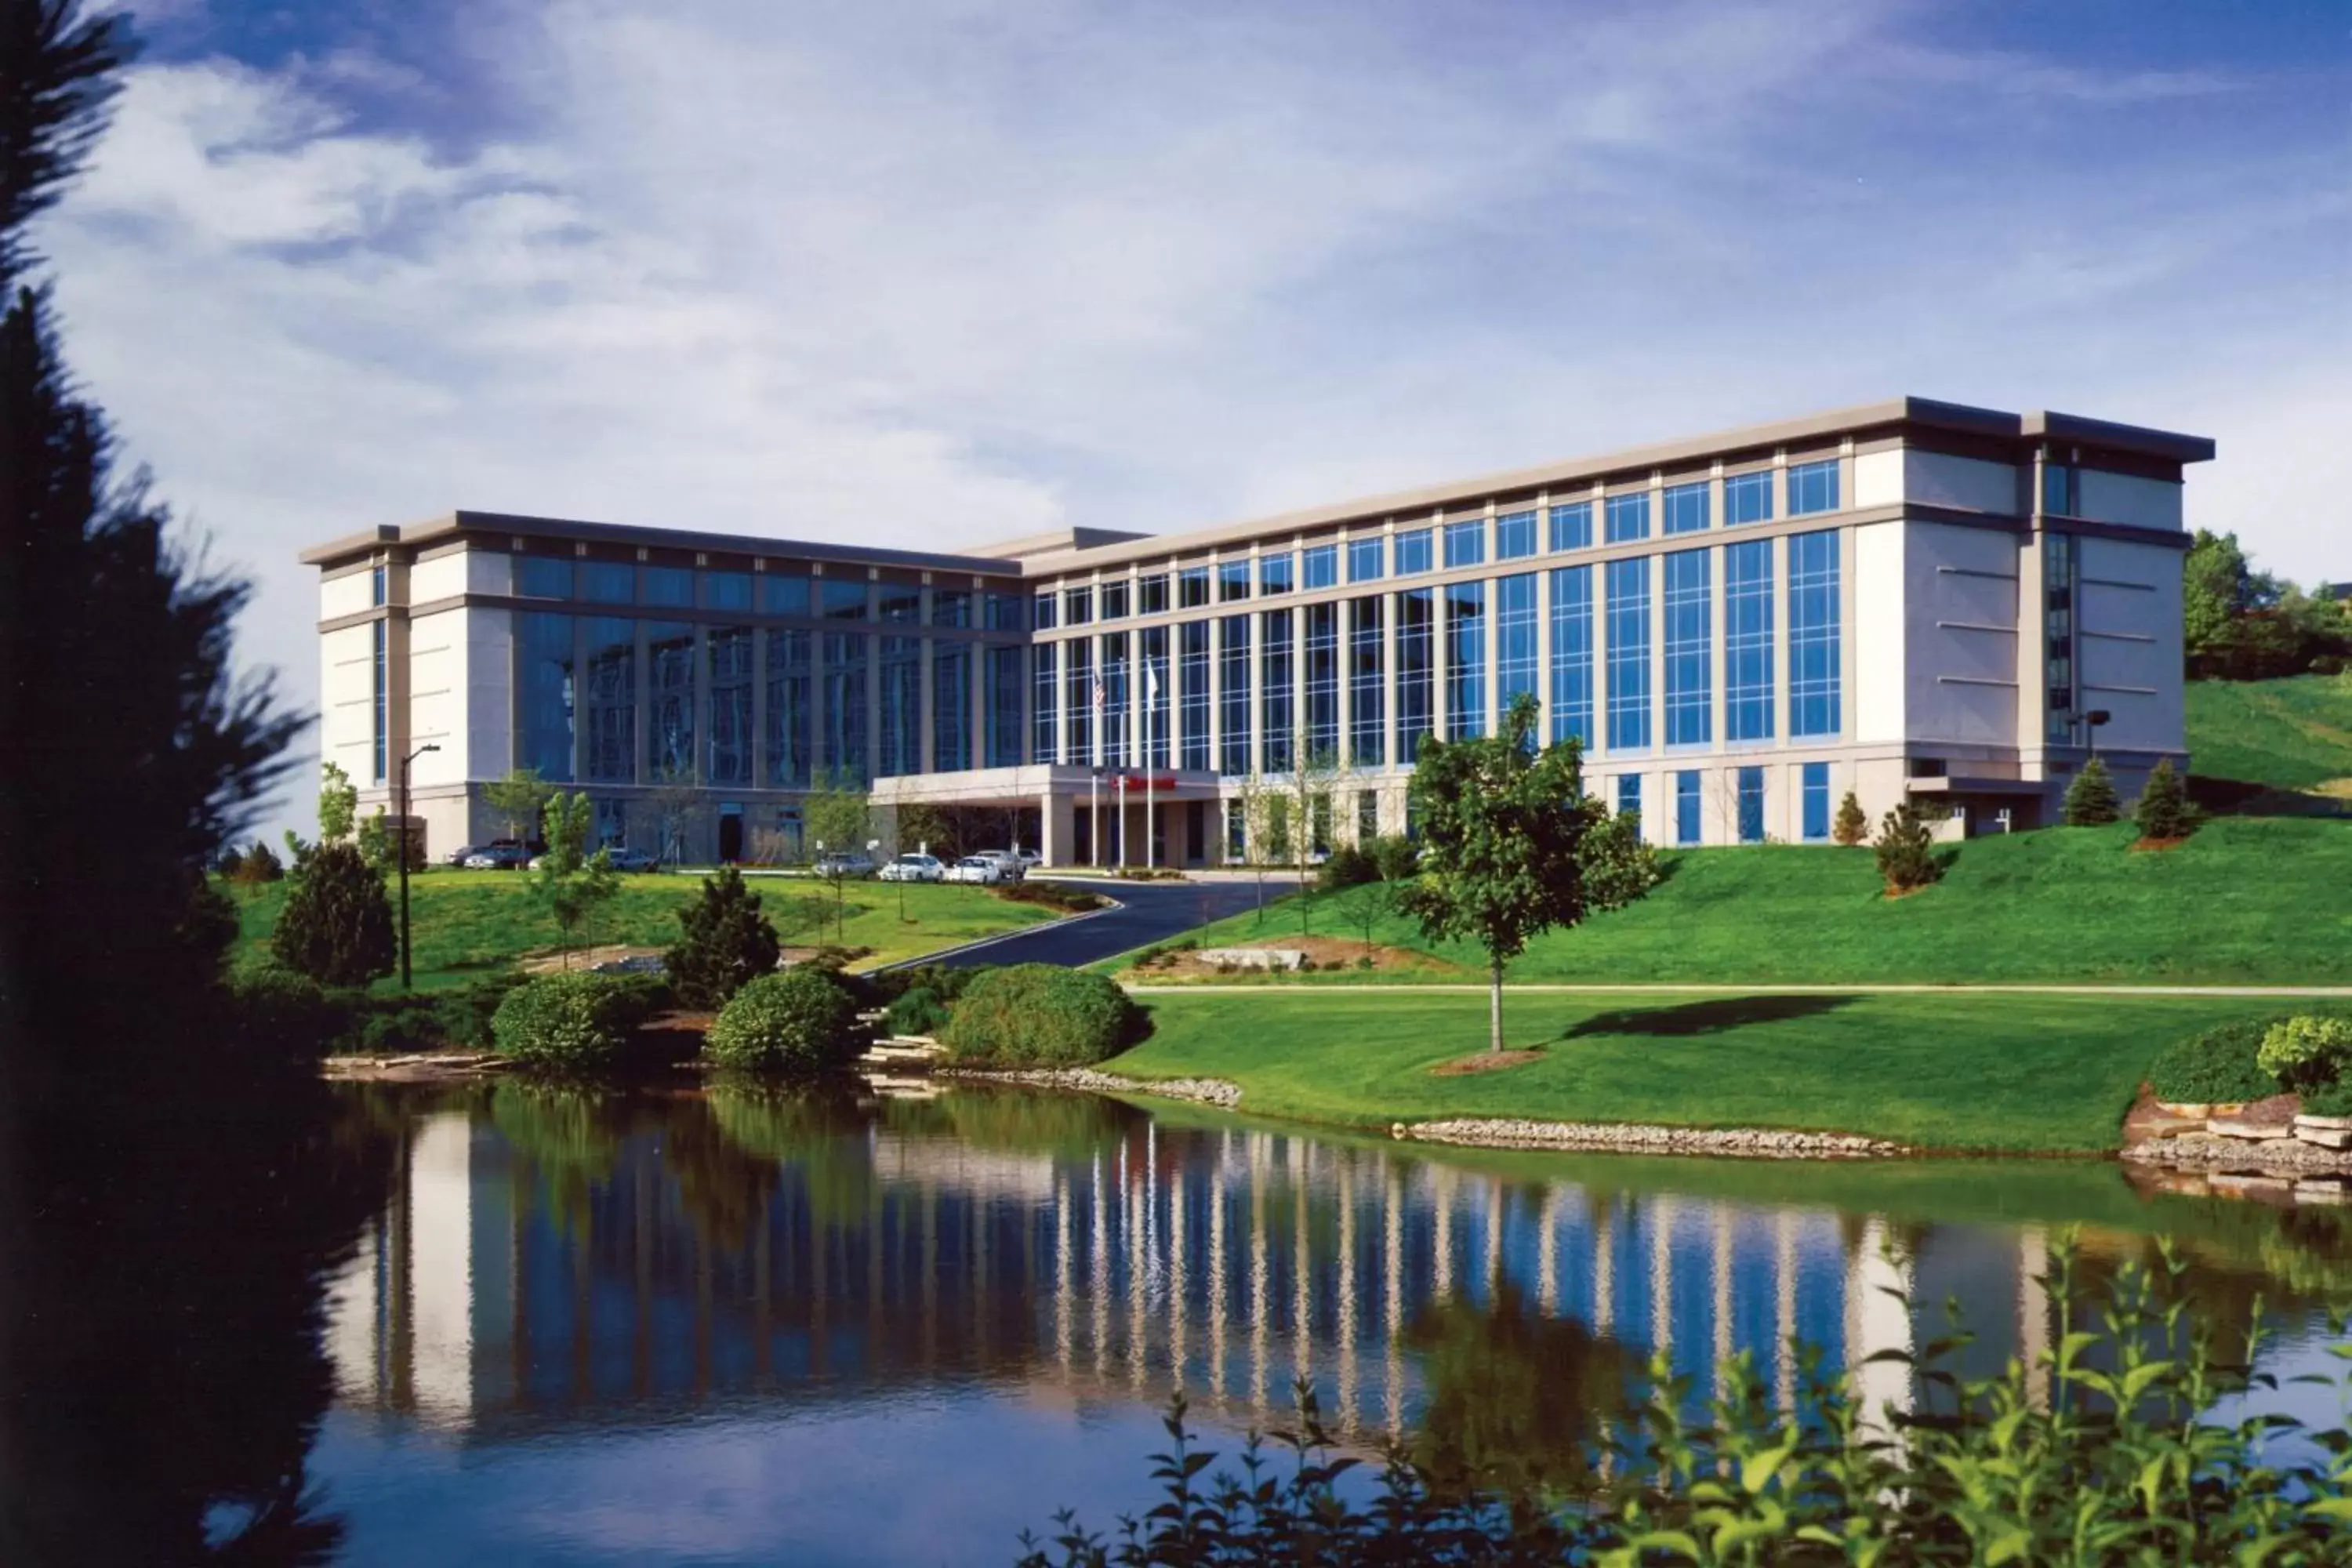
(984, 870)
(1011, 865)
(914, 868)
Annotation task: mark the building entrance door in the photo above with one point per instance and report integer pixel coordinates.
(731, 834)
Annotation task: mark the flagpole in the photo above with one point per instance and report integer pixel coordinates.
(1151, 714)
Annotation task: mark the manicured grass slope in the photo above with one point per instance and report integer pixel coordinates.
(469, 923)
(2248, 899)
(2294, 734)
(2031, 1074)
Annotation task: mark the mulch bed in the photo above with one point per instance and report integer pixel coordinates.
(1485, 1061)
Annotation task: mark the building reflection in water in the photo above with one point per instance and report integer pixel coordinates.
(557, 1261)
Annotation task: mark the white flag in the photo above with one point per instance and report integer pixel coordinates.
(1150, 686)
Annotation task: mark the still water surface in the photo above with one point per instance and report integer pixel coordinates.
(732, 1328)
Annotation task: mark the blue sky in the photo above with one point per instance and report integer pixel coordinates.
(939, 271)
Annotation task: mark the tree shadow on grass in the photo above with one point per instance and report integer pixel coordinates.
(1713, 1016)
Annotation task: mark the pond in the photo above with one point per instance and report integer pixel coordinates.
(729, 1327)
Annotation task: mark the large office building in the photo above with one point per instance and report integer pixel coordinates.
(1909, 598)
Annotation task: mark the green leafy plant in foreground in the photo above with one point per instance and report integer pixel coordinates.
(2108, 1449)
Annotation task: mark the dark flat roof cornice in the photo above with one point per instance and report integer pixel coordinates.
(441, 530)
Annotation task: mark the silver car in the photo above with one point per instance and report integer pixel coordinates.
(984, 870)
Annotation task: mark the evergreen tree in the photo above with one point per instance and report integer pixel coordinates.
(2164, 811)
(1850, 827)
(2091, 800)
(117, 702)
(727, 942)
(336, 927)
(1906, 850)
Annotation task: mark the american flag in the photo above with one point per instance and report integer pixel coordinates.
(1099, 693)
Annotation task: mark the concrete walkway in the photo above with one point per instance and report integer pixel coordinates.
(1145, 912)
(1518, 988)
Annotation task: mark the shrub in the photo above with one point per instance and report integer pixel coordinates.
(2307, 1052)
(1850, 827)
(2164, 811)
(917, 1011)
(1346, 867)
(286, 1009)
(1051, 896)
(2091, 800)
(336, 927)
(231, 861)
(2220, 1066)
(468, 1010)
(728, 943)
(799, 1021)
(260, 864)
(2037, 1458)
(1040, 1015)
(567, 1023)
(390, 1024)
(2334, 1100)
(1906, 849)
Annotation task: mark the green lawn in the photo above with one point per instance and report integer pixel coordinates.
(2293, 734)
(2247, 901)
(2026, 1074)
(469, 923)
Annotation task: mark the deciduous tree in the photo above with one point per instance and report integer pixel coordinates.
(339, 804)
(570, 883)
(520, 799)
(1504, 844)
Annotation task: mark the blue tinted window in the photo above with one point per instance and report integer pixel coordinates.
(376, 585)
(1323, 684)
(1629, 654)
(1151, 594)
(1368, 735)
(1748, 498)
(1690, 650)
(1629, 518)
(540, 577)
(1465, 542)
(844, 600)
(784, 592)
(1515, 639)
(1078, 701)
(843, 744)
(1274, 670)
(1817, 802)
(1748, 641)
(1571, 526)
(1192, 696)
(950, 706)
(669, 700)
(382, 704)
(1751, 805)
(727, 745)
(611, 699)
(1159, 696)
(545, 661)
(789, 671)
(1416, 655)
(726, 590)
(902, 706)
(2058, 490)
(1233, 581)
(1006, 672)
(1572, 654)
(1412, 551)
(1114, 599)
(1629, 793)
(1465, 660)
(1364, 560)
(1686, 830)
(901, 601)
(666, 585)
(1233, 694)
(1813, 487)
(1322, 566)
(1077, 607)
(1273, 570)
(1514, 535)
(1192, 587)
(1044, 705)
(1685, 508)
(951, 607)
(608, 583)
(1044, 618)
(1004, 612)
(1815, 682)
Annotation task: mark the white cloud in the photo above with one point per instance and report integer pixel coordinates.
(933, 274)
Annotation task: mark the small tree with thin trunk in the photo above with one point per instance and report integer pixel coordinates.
(1305, 789)
(838, 818)
(676, 803)
(1850, 827)
(339, 804)
(2091, 800)
(1264, 808)
(571, 884)
(2164, 813)
(1371, 882)
(519, 799)
(1504, 829)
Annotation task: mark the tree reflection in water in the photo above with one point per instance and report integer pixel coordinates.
(1513, 1398)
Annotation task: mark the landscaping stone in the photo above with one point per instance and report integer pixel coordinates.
(2204, 1151)
(2323, 1123)
(2326, 1137)
(2250, 1131)
(2319, 1192)
(1201, 1091)
(2246, 1184)
(1746, 1142)
(1252, 957)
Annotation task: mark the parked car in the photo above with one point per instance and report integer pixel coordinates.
(984, 870)
(1008, 862)
(507, 857)
(914, 868)
(636, 861)
(1028, 858)
(849, 865)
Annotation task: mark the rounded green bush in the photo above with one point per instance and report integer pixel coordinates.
(2335, 1100)
(2220, 1066)
(2305, 1051)
(566, 1023)
(1039, 1015)
(917, 1011)
(799, 1021)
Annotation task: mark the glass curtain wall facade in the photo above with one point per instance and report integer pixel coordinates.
(902, 706)
(670, 670)
(1078, 702)
(1193, 694)
(1514, 637)
(1367, 682)
(1008, 673)
(1815, 640)
(1629, 654)
(546, 699)
(1416, 655)
(728, 748)
(1116, 701)
(844, 749)
(1233, 686)
(1044, 704)
(1572, 653)
(1275, 674)
(1159, 697)
(951, 707)
(612, 700)
(1690, 648)
(790, 689)
(1323, 682)
(1465, 660)
(1748, 641)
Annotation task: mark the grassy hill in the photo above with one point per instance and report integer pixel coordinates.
(2247, 901)
(2291, 734)
(470, 923)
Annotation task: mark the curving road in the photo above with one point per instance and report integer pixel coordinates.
(1150, 913)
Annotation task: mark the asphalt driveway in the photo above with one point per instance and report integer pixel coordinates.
(1150, 912)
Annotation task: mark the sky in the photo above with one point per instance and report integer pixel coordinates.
(937, 273)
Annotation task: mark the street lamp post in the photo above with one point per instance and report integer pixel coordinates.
(402, 852)
(2092, 721)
